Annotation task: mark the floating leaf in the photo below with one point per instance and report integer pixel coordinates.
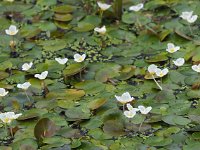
(53, 45)
(113, 128)
(176, 120)
(63, 9)
(158, 141)
(44, 128)
(63, 17)
(73, 69)
(95, 104)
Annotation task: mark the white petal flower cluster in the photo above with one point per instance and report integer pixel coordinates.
(131, 112)
(153, 69)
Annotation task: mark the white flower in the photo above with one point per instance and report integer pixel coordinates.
(103, 6)
(179, 62)
(161, 73)
(136, 7)
(192, 19)
(8, 117)
(101, 30)
(196, 68)
(129, 114)
(144, 110)
(171, 48)
(188, 16)
(24, 86)
(27, 66)
(125, 98)
(79, 58)
(152, 69)
(3, 92)
(130, 108)
(42, 76)
(12, 30)
(9, 0)
(61, 61)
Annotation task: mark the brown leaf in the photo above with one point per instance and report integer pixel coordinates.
(44, 128)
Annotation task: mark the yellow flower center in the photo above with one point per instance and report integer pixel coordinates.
(12, 33)
(161, 74)
(80, 59)
(7, 120)
(172, 50)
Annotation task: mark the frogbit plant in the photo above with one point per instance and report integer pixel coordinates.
(171, 48)
(12, 31)
(137, 8)
(131, 112)
(144, 111)
(102, 33)
(124, 98)
(103, 7)
(152, 70)
(79, 58)
(161, 73)
(190, 18)
(42, 77)
(25, 87)
(7, 118)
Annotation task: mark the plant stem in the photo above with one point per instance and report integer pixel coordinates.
(44, 88)
(118, 8)
(140, 126)
(11, 132)
(27, 96)
(190, 29)
(101, 15)
(80, 74)
(152, 30)
(6, 129)
(12, 43)
(138, 22)
(157, 83)
(123, 107)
